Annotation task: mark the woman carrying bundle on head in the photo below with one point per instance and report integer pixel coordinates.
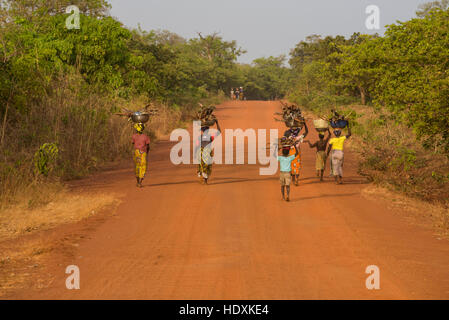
(203, 148)
(336, 146)
(296, 165)
(141, 144)
(140, 140)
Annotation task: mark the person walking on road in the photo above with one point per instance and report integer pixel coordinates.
(141, 144)
(320, 146)
(237, 94)
(285, 177)
(297, 163)
(205, 153)
(336, 146)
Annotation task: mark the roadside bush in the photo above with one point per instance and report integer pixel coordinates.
(389, 153)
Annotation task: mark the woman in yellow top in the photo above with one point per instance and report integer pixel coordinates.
(336, 146)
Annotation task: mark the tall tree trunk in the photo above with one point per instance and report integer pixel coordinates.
(5, 117)
(4, 124)
(362, 95)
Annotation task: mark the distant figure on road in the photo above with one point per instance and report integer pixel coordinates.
(297, 163)
(141, 144)
(232, 94)
(285, 161)
(320, 146)
(242, 96)
(336, 146)
(237, 94)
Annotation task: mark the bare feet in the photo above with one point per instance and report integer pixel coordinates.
(139, 183)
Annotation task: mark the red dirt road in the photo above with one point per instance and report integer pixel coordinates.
(236, 239)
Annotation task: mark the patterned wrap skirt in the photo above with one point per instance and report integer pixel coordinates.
(297, 163)
(205, 158)
(140, 160)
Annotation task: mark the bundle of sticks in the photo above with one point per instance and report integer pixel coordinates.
(206, 116)
(291, 115)
(286, 142)
(338, 120)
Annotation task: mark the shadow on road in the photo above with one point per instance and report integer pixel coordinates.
(346, 181)
(324, 196)
(214, 181)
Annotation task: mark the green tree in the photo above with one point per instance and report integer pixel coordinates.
(414, 77)
(357, 67)
(267, 79)
(426, 8)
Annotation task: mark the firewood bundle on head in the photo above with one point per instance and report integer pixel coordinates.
(286, 142)
(338, 121)
(291, 116)
(206, 116)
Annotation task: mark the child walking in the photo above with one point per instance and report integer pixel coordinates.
(297, 162)
(286, 167)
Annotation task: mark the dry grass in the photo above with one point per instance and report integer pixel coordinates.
(419, 212)
(23, 258)
(63, 208)
(405, 174)
(18, 267)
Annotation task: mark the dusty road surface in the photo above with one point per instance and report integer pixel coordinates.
(236, 239)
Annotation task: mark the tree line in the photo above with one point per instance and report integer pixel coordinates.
(395, 88)
(60, 85)
(404, 71)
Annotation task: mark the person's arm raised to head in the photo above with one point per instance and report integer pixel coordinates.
(329, 150)
(276, 152)
(297, 151)
(307, 141)
(314, 145)
(218, 128)
(349, 132)
(197, 146)
(306, 129)
(328, 135)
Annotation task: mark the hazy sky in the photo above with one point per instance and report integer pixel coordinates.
(262, 27)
